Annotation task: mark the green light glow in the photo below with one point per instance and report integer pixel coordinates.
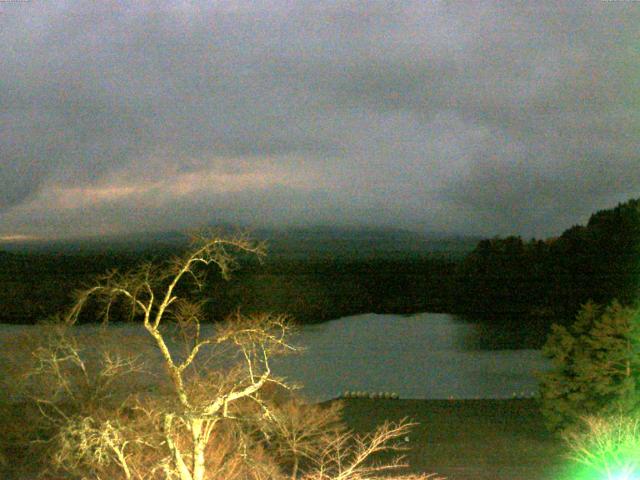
(625, 476)
(606, 448)
(584, 472)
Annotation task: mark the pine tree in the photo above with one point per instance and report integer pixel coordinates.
(594, 366)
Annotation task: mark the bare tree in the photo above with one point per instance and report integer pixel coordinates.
(299, 433)
(347, 456)
(153, 295)
(81, 384)
(208, 416)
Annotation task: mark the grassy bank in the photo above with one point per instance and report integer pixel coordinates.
(469, 439)
(459, 439)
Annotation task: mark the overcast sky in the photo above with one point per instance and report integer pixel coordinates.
(488, 118)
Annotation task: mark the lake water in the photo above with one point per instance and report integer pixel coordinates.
(420, 356)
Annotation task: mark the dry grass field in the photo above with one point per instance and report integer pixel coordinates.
(470, 439)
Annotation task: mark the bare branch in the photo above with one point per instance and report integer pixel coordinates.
(207, 420)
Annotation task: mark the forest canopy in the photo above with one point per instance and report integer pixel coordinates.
(546, 281)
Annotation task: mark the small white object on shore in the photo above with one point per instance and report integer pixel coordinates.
(371, 395)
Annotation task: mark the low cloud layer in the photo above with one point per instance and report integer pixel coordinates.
(484, 118)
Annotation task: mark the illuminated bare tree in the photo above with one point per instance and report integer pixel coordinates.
(210, 417)
(153, 295)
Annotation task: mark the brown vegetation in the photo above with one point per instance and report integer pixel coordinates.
(176, 403)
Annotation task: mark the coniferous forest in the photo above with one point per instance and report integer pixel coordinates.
(545, 281)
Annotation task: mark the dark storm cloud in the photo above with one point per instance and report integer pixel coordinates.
(552, 87)
(482, 117)
(99, 87)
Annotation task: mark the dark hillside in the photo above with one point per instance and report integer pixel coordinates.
(312, 274)
(507, 280)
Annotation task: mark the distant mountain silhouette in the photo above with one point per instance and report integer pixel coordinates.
(291, 241)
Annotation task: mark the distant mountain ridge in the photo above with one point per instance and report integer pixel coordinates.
(289, 241)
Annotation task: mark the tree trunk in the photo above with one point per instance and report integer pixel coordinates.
(199, 444)
(180, 465)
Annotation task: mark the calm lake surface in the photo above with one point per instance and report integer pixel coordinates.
(427, 355)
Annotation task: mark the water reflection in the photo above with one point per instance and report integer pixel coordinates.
(421, 356)
(504, 333)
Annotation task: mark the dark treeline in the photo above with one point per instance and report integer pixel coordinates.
(508, 283)
(539, 282)
(35, 286)
(323, 289)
